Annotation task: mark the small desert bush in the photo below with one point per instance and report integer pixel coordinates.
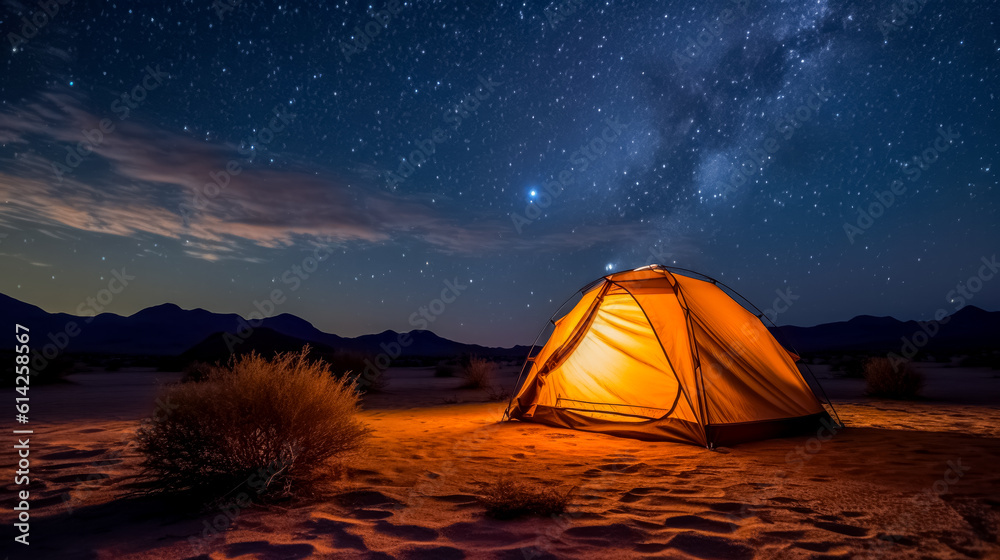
(507, 498)
(478, 373)
(894, 381)
(287, 417)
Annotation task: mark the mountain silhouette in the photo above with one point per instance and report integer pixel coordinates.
(168, 330)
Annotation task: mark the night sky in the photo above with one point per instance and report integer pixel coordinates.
(516, 150)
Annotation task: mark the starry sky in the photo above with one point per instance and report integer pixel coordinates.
(844, 153)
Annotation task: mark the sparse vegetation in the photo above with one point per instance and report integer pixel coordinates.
(507, 498)
(287, 417)
(478, 373)
(894, 381)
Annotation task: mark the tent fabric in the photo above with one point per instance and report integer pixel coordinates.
(655, 355)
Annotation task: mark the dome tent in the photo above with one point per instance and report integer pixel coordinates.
(657, 355)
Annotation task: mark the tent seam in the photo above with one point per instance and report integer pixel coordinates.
(673, 370)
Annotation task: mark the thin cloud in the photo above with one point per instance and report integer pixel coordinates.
(155, 183)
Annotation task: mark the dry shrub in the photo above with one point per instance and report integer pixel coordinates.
(286, 418)
(894, 381)
(478, 373)
(508, 499)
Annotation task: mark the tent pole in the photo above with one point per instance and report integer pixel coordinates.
(506, 413)
(761, 316)
(680, 386)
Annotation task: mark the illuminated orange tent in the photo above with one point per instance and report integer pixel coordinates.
(657, 355)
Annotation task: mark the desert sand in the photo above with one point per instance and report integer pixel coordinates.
(903, 480)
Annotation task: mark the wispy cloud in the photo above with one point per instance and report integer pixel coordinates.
(150, 172)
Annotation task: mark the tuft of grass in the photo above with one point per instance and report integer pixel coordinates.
(478, 373)
(287, 417)
(894, 381)
(507, 498)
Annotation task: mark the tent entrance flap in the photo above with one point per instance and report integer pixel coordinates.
(616, 367)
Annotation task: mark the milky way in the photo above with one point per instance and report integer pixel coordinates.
(844, 153)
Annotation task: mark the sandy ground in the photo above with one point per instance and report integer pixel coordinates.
(904, 480)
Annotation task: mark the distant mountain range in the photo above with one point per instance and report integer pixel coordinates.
(168, 330)
(969, 329)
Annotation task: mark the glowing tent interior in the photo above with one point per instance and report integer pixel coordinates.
(655, 354)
